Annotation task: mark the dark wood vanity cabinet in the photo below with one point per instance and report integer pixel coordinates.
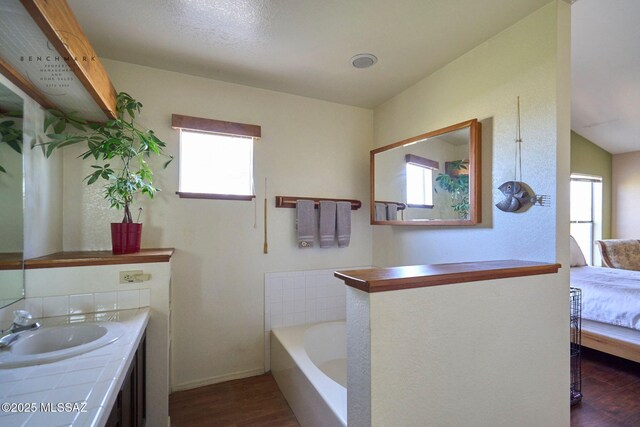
(129, 410)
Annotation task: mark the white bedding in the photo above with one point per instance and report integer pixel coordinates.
(609, 295)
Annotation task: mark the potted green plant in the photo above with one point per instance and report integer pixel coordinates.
(121, 147)
(457, 185)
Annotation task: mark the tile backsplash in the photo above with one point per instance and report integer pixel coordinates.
(87, 303)
(301, 297)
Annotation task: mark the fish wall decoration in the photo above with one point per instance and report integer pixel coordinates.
(518, 196)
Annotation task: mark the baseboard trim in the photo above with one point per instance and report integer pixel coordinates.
(217, 379)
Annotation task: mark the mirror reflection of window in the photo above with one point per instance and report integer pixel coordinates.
(419, 185)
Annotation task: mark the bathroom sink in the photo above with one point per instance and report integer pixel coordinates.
(54, 343)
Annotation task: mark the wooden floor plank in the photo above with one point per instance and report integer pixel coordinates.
(249, 402)
(611, 392)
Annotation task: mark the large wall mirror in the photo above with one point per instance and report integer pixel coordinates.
(11, 197)
(429, 179)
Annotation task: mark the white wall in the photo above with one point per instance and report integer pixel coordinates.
(308, 148)
(530, 60)
(625, 200)
(484, 83)
(484, 354)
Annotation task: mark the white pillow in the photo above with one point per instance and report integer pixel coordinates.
(577, 257)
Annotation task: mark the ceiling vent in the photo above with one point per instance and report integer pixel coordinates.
(363, 60)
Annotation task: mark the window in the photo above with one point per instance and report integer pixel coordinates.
(419, 187)
(419, 175)
(216, 164)
(216, 158)
(586, 214)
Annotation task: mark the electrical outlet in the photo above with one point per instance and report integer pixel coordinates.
(134, 276)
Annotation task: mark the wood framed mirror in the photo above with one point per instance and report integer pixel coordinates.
(11, 196)
(429, 179)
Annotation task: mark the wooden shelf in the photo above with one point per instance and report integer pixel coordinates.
(11, 261)
(87, 258)
(418, 276)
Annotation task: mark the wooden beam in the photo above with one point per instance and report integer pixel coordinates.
(179, 121)
(60, 26)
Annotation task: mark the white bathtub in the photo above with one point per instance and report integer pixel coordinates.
(309, 363)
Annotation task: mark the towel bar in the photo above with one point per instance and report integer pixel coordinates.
(401, 206)
(290, 201)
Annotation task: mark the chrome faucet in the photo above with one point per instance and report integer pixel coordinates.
(23, 321)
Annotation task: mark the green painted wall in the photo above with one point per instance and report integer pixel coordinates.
(589, 159)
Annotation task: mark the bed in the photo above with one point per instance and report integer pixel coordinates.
(610, 307)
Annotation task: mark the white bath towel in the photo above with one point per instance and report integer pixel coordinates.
(305, 220)
(327, 223)
(343, 221)
(381, 212)
(392, 211)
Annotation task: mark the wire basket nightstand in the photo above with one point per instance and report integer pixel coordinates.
(575, 298)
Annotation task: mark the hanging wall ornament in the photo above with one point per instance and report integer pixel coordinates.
(518, 196)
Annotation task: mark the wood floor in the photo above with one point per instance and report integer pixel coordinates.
(254, 401)
(611, 388)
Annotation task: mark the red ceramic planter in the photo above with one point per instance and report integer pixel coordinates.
(125, 237)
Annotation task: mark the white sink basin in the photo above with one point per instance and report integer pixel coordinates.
(54, 343)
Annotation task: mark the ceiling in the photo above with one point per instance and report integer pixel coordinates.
(301, 47)
(605, 100)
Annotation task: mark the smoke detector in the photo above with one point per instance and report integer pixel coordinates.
(363, 60)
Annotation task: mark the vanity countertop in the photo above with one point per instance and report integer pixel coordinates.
(93, 378)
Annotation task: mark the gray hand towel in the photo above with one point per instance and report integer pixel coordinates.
(305, 219)
(392, 211)
(343, 221)
(381, 212)
(327, 223)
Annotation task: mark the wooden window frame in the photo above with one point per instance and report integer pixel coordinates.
(219, 127)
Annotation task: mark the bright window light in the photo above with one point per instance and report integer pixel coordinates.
(419, 185)
(215, 164)
(586, 214)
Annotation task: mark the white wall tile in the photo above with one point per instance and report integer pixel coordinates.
(128, 299)
(299, 318)
(81, 303)
(276, 291)
(276, 308)
(299, 293)
(288, 295)
(145, 297)
(302, 297)
(299, 306)
(288, 308)
(267, 351)
(106, 301)
(55, 306)
(288, 320)
(34, 306)
(276, 321)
